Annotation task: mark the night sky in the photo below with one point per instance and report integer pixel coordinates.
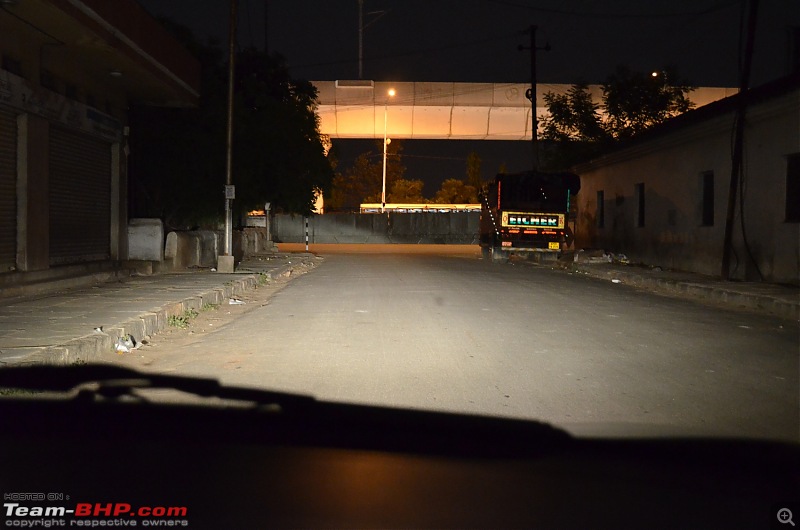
(476, 41)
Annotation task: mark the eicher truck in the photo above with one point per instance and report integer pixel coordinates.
(524, 213)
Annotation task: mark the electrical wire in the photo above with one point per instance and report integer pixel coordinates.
(740, 116)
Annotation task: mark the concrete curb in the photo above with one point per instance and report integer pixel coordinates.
(95, 346)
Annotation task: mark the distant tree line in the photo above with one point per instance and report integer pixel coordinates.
(363, 181)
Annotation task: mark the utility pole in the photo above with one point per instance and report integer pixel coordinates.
(738, 140)
(531, 94)
(225, 263)
(361, 39)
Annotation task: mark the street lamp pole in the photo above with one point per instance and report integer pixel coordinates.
(391, 93)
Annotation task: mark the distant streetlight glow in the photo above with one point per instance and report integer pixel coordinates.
(386, 141)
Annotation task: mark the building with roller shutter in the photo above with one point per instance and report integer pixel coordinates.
(69, 71)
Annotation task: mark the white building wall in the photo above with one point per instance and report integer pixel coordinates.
(671, 168)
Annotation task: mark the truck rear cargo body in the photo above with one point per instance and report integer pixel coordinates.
(527, 212)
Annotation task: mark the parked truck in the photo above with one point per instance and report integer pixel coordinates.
(524, 213)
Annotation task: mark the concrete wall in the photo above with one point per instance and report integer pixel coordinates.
(435, 228)
(199, 248)
(671, 167)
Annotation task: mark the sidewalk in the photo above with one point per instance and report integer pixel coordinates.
(782, 301)
(61, 327)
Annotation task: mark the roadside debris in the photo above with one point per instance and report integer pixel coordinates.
(235, 301)
(592, 255)
(126, 344)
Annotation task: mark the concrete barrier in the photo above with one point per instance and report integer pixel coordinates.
(145, 240)
(256, 240)
(198, 248)
(424, 228)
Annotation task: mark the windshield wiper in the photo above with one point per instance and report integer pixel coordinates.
(113, 382)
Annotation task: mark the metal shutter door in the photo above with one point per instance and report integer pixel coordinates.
(80, 197)
(8, 189)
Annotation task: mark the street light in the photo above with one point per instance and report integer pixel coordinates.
(386, 141)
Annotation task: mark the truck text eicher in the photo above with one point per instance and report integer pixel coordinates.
(527, 212)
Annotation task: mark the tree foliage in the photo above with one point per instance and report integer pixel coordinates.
(363, 181)
(474, 177)
(631, 102)
(634, 101)
(454, 191)
(279, 152)
(406, 191)
(178, 155)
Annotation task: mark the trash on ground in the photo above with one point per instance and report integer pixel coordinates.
(616, 281)
(126, 344)
(99, 329)
(592, 256)
(235, 301)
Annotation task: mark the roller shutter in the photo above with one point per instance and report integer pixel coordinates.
(8, 189)
(80, 197)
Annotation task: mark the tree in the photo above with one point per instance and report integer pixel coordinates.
(634, 101)
(454, 191)
(177, 164)
(474, 178)
(362, 182)
(280, 156)
(631, 103)
(574, 125)
(406, 191)
(573, 116)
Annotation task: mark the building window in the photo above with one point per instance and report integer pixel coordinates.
(708, 198)
(601, 209)
(639, 194)
(793, 188)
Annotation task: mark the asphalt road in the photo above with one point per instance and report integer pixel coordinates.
(449, 331)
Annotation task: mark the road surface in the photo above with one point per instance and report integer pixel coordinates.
(451, 332)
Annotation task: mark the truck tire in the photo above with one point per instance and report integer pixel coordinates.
(498, 254)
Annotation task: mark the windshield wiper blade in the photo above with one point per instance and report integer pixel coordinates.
(116, 381)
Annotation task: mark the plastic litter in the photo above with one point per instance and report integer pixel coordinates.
(616, 281)
(235, 301)
(126, 344)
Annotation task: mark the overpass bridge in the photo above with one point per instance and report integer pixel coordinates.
(443, 111)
